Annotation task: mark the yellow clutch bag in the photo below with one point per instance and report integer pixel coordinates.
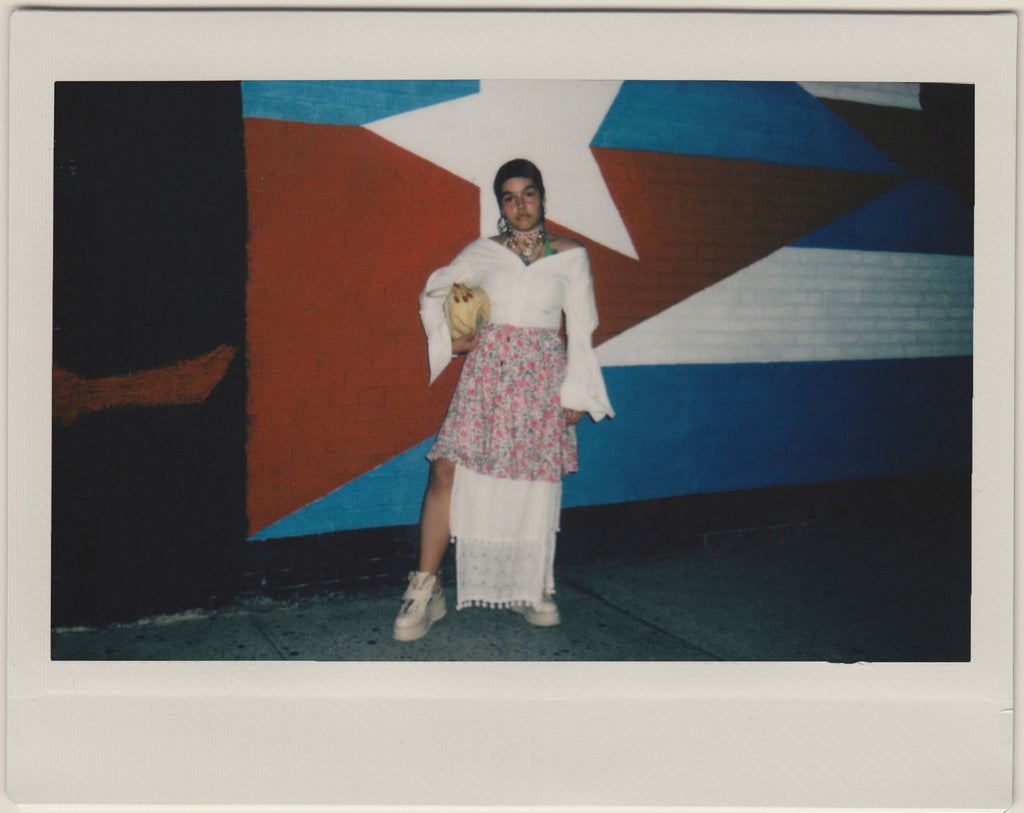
(466, 309)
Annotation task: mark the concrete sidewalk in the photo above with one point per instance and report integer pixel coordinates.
(870, 590)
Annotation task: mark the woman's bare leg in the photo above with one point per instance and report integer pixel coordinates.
(435, 530)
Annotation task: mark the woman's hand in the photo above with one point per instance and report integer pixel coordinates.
(572, 416)
(464, 344)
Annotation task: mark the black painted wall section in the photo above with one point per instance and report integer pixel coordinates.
(149, 270)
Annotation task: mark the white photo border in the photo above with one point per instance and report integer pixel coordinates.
(684, 735)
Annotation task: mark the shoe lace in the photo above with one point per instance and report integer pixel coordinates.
(411, 602)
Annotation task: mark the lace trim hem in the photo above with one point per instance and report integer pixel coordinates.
(495, 605)
(504, 574)
(494, 539)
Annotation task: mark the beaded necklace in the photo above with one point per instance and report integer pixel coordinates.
(525, 242)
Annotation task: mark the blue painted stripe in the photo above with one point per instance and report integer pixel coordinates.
(693, 429)
(346, 102)
(704, 428)
(775, 122)
(389, 495)
(920, 215)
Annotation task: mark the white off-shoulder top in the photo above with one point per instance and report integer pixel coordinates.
(522, 295)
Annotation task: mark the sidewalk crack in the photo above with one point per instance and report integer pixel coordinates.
(588, 591)
(267, 638)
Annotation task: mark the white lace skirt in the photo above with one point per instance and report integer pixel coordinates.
(504, 533)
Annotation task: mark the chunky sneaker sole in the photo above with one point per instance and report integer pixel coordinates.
(546, 616)
(423, 604)
(435, 612)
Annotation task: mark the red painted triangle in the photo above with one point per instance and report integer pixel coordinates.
(345, 227)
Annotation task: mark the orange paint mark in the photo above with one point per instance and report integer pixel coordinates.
(185, 382)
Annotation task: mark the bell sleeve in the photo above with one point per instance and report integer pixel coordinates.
(431, 302)
(583, 388)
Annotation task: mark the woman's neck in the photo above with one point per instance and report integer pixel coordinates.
(525, 243)
(532, 235)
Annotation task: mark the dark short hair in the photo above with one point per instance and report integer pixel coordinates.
(517, 168)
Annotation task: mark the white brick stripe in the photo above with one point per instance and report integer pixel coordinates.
(885, 94)
(814, 305)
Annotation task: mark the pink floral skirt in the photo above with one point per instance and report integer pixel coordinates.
(505, 418)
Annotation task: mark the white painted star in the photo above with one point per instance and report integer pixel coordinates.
(551, 123)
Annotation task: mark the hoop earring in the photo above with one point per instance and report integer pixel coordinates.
(504, 227)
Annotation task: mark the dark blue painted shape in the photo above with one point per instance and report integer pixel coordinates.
(694, 429)
(346, 102)
(920, 215)
(774, 122)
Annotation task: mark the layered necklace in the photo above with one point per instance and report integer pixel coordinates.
(524, 242)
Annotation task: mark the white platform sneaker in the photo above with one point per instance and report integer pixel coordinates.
(422, 605)
(542, 614)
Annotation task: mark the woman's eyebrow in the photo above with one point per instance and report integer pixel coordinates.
(530, 188)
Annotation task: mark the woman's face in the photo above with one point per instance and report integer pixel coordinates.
(522, 203)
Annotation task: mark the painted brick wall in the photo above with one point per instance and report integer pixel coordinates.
(792, 244)
(816, 305)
